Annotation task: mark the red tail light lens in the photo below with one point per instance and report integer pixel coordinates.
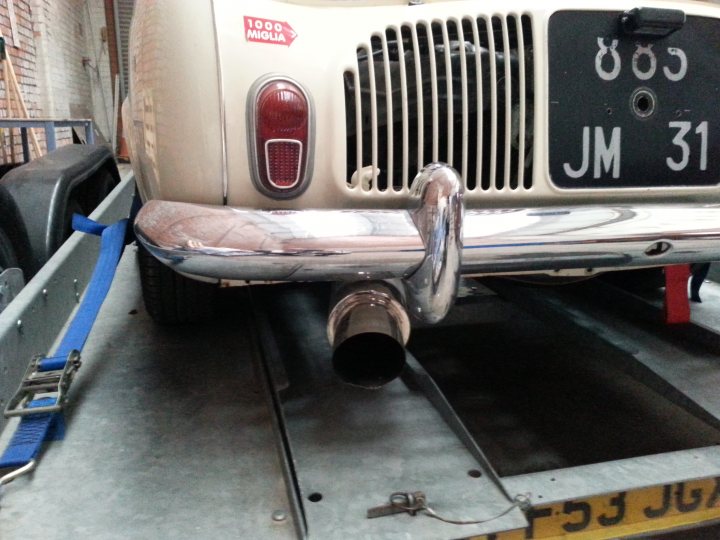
(282, 137)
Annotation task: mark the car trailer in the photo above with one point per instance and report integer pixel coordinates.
(528, 413)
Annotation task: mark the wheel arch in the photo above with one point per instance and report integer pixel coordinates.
(41, 191)
(13, 228)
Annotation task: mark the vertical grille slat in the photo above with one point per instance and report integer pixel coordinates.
(388, 111)
(373, 120)
(464, 100)
(458, 90)
(521, 102)
(420, 99)
(447, 59)
(358, 129)
(529, 88)
(404, 106)
(434, 93)
(508, 103)
(479, 108)
(492, 177)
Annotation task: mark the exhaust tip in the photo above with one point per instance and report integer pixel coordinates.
(369, 360)
(368, 329)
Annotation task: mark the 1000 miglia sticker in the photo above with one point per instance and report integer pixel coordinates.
(260, 30)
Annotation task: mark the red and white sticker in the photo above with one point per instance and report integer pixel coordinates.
(269, 31)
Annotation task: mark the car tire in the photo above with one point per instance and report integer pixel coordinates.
(171, 298)
(8, 257)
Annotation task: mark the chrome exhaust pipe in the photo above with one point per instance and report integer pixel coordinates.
(368, 329)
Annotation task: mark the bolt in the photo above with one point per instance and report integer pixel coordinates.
(19, 326)
(279, 515)
(77, 297)
(45, 293)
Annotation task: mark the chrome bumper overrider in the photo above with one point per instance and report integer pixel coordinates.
(429, 244)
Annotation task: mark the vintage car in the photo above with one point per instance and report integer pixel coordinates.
(392, 146)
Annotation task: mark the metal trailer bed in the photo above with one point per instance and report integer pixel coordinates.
(239, 429)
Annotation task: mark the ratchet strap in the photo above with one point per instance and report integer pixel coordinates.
(43, 391)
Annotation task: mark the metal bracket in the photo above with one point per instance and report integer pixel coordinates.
(43, 383)
(399, 503)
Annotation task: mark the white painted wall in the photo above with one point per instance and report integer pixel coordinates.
(66, 32)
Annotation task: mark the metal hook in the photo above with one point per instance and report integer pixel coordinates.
(9, 477)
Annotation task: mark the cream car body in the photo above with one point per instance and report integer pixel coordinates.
(488, 79)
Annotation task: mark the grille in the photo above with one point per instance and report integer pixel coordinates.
(458, 91)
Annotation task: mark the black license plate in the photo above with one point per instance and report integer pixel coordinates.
(633, 111)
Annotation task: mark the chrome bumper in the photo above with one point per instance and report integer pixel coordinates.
(425, 243)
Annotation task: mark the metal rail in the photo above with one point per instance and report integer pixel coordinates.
(346, 449)
(49, 125)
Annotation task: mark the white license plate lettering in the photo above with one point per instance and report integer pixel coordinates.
(606, 154)
(683, 128)
(644, 61)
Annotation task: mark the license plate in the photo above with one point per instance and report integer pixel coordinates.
(622, 513)
(632, 111)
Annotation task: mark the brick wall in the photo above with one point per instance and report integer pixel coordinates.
(60, 56)
(73, 61)
(23, 54)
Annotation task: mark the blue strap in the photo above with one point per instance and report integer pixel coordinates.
(53, 363)
(34, 429)
(30, 434)
(112, 243)
(83, 224)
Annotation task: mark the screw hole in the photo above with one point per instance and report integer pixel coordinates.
(643, 103)
(658, 248)
(474, 473)
(315, 497)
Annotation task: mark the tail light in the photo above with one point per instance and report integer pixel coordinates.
(281, 137)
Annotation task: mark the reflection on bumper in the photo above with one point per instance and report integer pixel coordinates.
(235, 243)
(306, 245)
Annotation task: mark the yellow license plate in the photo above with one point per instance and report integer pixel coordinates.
(622, 513)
